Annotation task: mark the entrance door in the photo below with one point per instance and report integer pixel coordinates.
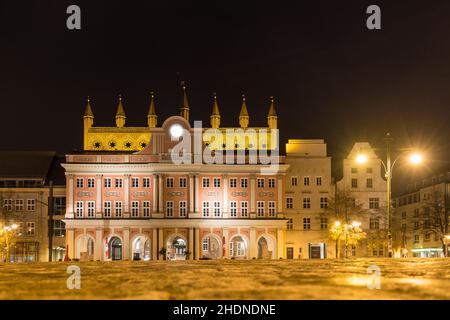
(290, 253)
(116, 248)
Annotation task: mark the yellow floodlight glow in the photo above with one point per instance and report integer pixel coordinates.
(415, 158)
(361, 158)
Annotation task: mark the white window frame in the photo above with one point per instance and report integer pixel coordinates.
(107, 182)
(233, 182)
(306, 181)
(135, 208)
(244, 183)
(217, 209)
(91, 209)
(294, 181)
(91, 182)
(271, 182)
(205, 182)
(169, 182)
(182, 182)
(233, 209)
(118, 208)
(260, 205)
(79, 208)
(272, 209)
(182, 208)
(135, 182)
(118, 182)
(244, 209)
(79, 183)
(146, 208)
(205, 209)
(216, 182)
(260, 183)
(31, 204)
(31, 228)
(289, 203)
(146, 182)
(169, 208)
(107, 208)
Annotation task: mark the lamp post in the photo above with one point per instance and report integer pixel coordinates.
(414, 158)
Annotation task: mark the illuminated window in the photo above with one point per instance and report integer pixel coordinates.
(205, 182)
(183, 182)
(244, 182)
(118, 182)
(146, 182)
(19, 205)
(205, 244)
(216, 182)
(135, 182)
(233, 182)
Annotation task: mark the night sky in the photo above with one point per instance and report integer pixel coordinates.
(332, 78)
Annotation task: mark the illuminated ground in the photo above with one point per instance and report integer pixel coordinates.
(307, 279)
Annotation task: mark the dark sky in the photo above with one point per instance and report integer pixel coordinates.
(331, 76)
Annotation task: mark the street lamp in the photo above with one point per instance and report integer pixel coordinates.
(414, 158)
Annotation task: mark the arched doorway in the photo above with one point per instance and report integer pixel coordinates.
(114, 248)
(176, 248)
(141, 249)
(238, 248)
(266, 248)
(85, 248)
(211, 247)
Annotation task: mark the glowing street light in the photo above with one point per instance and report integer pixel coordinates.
(361, 158)
(414, 158)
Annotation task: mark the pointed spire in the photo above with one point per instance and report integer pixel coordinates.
(120, 114)
(120, 109)
(215, 109)
(151, 109)
(272, 118)
(184, 108)
(215, 115)
(244, 111)
(272, 111)
(244, 118)
(151, 116)
(88, 111)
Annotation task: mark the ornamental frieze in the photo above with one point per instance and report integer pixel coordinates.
(266, 194)
(175, 193)
(112, 193)
(212, 193)
(140, 193)
(85, 194)
(239, 194)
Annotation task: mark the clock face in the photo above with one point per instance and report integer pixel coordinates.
(176, 131)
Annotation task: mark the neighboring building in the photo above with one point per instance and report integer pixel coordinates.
(139, 204)
(24, 191)
(422, 217)
(366, 187)
(309, 187)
